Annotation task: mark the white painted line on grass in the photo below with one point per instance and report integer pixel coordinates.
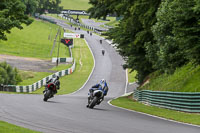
(91, 71)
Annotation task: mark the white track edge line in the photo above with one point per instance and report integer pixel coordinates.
(149, 114)
(146, 113)
(126, 86)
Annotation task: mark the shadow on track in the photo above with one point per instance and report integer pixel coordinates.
(99, 109)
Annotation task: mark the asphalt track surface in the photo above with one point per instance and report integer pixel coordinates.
(68, 113)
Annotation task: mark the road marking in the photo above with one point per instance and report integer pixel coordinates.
(126, 86)
(91, 71)
(109, 102)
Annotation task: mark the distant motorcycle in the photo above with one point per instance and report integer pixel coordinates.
(49, 91)
(95, 98)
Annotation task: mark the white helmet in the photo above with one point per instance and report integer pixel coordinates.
(102, 81)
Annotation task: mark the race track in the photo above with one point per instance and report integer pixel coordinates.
(68, 113)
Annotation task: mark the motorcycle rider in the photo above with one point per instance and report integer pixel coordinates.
(56, 82)
(102, 85)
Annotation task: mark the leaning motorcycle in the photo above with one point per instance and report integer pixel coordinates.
(49, 91)
(95, 98)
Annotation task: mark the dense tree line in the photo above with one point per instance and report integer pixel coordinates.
(9, 75)
(40, 6)
(14, 13)
(154, 35)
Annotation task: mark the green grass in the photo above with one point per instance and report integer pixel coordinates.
(73, 82)
(61, 67)
(29, 77)
(35, 40)
(9, 128)
(112, 21)
(184, 79)
(75, 4)
(128, 103)
(132, 76)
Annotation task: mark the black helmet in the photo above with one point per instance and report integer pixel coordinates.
(57, 77)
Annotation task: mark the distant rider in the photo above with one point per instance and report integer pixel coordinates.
(102, 85)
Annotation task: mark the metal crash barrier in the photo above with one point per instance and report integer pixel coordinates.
(181, 101)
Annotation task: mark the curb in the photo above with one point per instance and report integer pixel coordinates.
(109, 103)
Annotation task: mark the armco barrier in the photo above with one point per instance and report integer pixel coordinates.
(47, 19)
(39, 84)
(181, 101)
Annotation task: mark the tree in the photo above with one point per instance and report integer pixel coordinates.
(133, 31)
(8, 75)
(177, 35)
(31, 6)
(54, 6)
(49, 5)
(12, 14)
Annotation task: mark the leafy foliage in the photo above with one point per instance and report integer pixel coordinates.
(51, 6)
(154, 35)
(31, 6)
(12, 15)
(133, 31)
(177, 35)
(8, 75)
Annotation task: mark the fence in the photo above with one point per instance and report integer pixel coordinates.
(40, 83)
(71, 20)
(47, 19)
(181, 101)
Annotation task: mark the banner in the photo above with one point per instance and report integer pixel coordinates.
(68, 42)
(73, 35)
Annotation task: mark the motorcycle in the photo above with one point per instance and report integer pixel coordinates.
(49, 91)
(95, 98)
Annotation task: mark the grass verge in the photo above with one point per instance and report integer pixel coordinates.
(184, 79)
(132, 76)
(29, 77)
(35, 40)
(9, 128)
(128, 103)
(84, 65)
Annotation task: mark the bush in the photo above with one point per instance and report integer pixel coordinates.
(9, 75)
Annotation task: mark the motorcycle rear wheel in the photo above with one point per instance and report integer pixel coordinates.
(47, 95)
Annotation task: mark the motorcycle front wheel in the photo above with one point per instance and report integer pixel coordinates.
(93, 102)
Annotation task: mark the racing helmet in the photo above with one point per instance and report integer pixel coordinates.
(102, 81)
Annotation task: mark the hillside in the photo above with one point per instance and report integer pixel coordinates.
(184, 79)
(75, 4)
(28, 42)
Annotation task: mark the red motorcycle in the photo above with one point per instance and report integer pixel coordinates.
(50, 90)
